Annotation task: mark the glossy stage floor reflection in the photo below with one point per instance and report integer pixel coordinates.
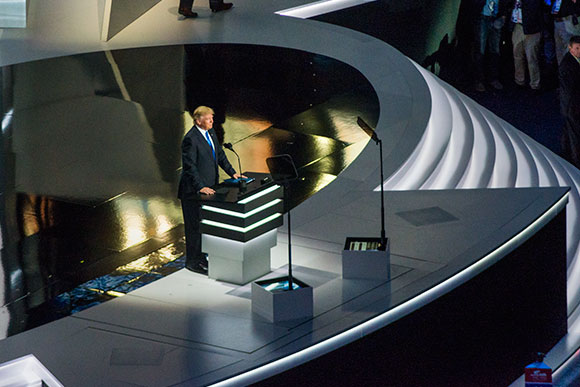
(91, 157)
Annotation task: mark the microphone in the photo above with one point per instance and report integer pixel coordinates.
(229, 146)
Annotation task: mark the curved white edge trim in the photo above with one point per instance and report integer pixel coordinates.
(565, 364)
(320, 8)
(399, 311)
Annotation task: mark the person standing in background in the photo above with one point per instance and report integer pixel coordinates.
(526, 39)
(565, 14)
(215, 5)
(570, 101)
(489, 19)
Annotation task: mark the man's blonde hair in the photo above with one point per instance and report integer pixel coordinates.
(201, 111)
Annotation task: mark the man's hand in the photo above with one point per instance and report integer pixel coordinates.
(237, 176)
(206, 191)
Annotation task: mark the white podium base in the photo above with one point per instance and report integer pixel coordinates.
(284, 305)
(367, 264)
(238, 262)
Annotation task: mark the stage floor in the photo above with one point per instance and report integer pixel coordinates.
(186, 329)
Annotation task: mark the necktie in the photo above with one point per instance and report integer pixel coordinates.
(210, 144)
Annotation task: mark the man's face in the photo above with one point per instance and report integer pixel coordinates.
(205, 122)
(575, 49)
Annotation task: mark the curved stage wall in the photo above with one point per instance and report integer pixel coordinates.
(467, 146)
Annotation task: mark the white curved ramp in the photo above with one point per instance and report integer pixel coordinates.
(464, 139)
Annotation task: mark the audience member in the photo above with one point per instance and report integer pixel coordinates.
(570, 101)
(548, 38)
(565, 13)
(215, 5)
(526, 39)
(489, 18)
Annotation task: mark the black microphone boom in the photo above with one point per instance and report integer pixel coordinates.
(229, 146)
(368, 130)
(373, 135)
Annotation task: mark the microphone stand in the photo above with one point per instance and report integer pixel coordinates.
(290, 280)
(283, 171)
(229, 146)
(383, 234)
(373, 135)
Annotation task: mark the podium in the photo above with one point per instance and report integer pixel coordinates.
(238, 227)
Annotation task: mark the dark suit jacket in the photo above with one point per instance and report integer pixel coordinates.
(199, 167)
(532, 16)
(569, 84)
(568, 8)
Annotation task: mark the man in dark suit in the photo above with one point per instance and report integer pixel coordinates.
(201, 154)
(564, 13)
(215, 5)
(570, 101)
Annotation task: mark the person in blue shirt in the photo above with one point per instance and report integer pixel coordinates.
(489, 19)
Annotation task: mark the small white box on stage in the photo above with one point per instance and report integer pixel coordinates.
(362, 259)
(272, 300)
